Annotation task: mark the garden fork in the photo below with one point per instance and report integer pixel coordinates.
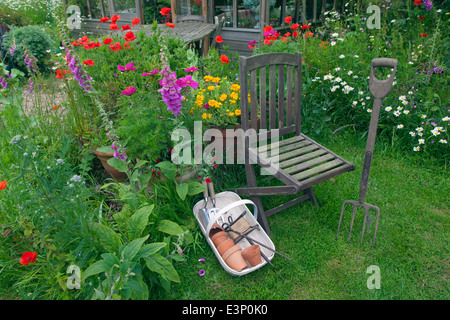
(379, 89)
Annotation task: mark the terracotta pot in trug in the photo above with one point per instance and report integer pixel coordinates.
(252, 254)
(233, 258)
(215, 228)
(224, 246)
(104, 157)
(219, 237)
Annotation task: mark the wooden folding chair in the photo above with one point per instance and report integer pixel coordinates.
(272, 84)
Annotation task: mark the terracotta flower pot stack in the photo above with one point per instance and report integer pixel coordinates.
(232, 253)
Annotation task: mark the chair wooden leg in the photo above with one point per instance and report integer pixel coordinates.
(251, 182)
(311, 195)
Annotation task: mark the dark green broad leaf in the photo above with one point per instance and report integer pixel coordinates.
(158, 264)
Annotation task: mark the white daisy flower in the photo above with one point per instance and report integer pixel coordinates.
(400, 126)
(443, 141)
(388, 109)
(421, 141)
(416, 148)
(341, 56)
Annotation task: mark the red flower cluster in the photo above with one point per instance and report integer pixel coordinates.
(129, 36)
(271, 35)
(3, 185)
(417, 2)
(60, 73)
(224, 59)
(28, 257)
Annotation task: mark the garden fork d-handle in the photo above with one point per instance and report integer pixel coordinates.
(379, 89)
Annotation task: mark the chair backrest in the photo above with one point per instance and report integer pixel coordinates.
(272, 81)
(190, 19)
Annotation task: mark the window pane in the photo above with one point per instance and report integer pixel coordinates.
(125, 6)
(248, 14)
(189, 7)
(224, 8)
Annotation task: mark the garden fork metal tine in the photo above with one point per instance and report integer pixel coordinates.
(351, 224)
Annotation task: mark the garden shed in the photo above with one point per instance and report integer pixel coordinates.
(243, 20)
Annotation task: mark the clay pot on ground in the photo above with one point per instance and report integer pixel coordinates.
(233, 258)
(224, 246)
(252, 254)
(219, 237)
(104, 157)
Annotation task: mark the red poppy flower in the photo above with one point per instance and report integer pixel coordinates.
(423, 34)
(92, 45)
(421, 18)
(129, 36)
(55, 107)
(126, 45)
(89, 62)
(251, 47)
(417, 2)
(219, 39)
(308, 34)
(107, 40)
(115, 47)
(126, 27)
(113, 26)
(208, 180)
(164, 11)
(288, 20)
(3, 185)
(224, 59)
(104, 19)
(267, 29)
(305, 26)
(60, 73)
(170, 25)
(295, 34)
(115, 18)
(28, 257)
(135, 21)
(295, 26)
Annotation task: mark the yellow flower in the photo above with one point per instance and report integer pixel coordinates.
(233, 101)
(211, 88)
(235, 87)
(223, 97)
(237, 112)
(208, 78)
(234, 95)
(216, 80)
(200, 97)
(231, 114)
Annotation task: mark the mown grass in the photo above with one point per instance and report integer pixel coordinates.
(412, 247)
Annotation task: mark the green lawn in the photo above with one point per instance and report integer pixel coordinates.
(412, 249)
